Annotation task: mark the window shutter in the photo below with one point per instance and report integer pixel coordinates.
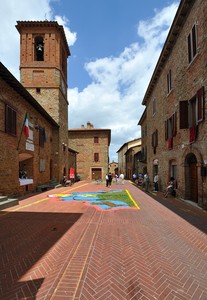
(200, 105)
(189, 49)
(194, 40)
(166, 130)
(174, 124)
(183, 114)
(10, 120)
(156, 138)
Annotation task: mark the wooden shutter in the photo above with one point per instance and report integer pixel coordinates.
(174, 124)
(10, 120)
(200, 105)
(183, 114)
(166, 130)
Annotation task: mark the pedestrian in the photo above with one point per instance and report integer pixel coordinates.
(110, 178)
(107, 180)
(171, 186)
(146, 182)
(121, 176)
(156, 179)
(116, 178)
(134, 176)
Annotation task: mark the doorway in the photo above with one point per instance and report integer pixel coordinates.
(96, 174)
(191, 178)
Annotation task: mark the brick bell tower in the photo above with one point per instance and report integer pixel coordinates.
(43, 72)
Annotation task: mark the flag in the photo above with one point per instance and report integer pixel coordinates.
(26, 126)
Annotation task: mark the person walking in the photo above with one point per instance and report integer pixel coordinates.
(107, 180)
(110, 178)
(146, 182)
(156, 179)
(121, 178)
(116, 178)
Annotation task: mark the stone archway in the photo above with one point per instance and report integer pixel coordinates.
(191, 178)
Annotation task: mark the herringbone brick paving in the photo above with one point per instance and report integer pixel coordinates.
(67, 250)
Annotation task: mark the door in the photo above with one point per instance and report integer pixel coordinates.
(96, 174)
(193, 182)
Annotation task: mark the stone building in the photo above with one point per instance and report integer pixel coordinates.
(92, 145)
(25, 162)
(43, 72)
(176, 109)
(113, 168)
(29, 161)
(128, 155)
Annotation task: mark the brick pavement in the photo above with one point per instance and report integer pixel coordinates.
(67, 250)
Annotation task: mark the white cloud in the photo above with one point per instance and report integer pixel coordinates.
(23, 10)
(113, 99)
(70, 36)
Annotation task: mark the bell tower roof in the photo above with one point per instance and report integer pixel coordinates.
(24, 25)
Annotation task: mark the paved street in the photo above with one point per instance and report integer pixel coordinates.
(52, 249)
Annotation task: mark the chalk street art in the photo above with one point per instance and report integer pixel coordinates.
(103, 200)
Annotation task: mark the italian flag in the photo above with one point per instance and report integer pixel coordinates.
(26, 126)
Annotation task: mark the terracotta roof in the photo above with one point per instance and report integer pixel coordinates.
(177, 25)
(22, 24)
(20, 89)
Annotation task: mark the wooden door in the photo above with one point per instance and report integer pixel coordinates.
(96, 174)
(193, 182)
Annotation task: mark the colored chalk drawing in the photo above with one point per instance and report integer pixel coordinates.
(103, 200)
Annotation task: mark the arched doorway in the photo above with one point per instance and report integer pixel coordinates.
(191, 178)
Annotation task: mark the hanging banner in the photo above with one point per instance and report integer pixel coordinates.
(72, 173)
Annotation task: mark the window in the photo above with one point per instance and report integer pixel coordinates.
(192, 44)
(170, 130)
(169, 81)
(38, 90)
(192, 111)
(96, 157)
(96, 140)
(10, 120)
(155, 140)
(39, 48)
(171, 126)
(154, 106)
(42, 136)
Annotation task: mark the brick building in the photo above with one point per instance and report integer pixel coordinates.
(176, 109)
(42, 96)
(128, 155)
(113, 168)
(92, 145)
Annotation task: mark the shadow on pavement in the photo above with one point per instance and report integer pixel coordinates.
(194, 215)
(25, 238)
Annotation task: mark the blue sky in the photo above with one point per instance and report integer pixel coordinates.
(114, 46)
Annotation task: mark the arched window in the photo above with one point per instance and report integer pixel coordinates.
(39, 48)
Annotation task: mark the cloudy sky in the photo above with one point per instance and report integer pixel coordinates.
(114, 46)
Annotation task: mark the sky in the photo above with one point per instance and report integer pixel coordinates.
(114, 45)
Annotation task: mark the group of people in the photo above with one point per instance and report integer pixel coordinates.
(170, 189)
(109, 179)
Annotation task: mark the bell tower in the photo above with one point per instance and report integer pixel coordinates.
(43, 72)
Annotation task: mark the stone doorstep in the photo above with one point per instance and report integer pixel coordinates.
(3, 198)
(8, 203)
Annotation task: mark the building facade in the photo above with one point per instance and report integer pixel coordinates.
(43, 72)
(92, 145)
(40, 103)
(128, 158)
(176, 106)
(114, 168)
(26, 160)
